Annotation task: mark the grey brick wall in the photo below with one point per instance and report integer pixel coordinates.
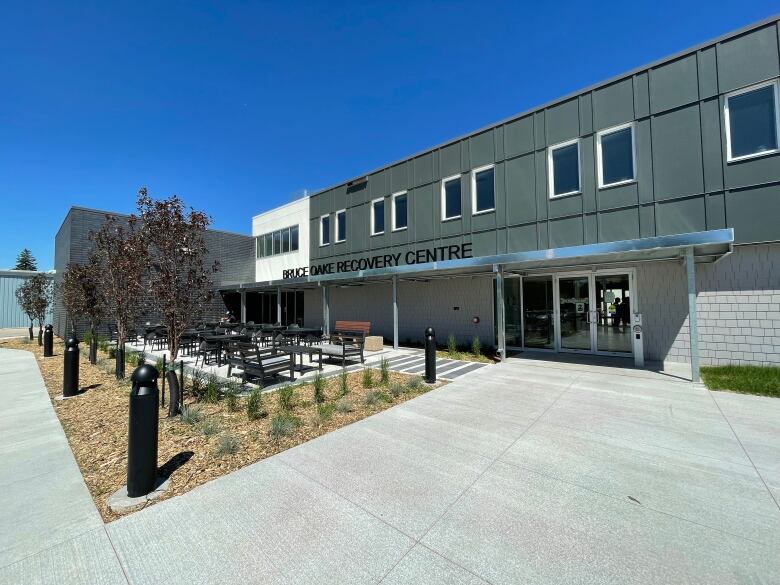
(738, 304)
(420, 305)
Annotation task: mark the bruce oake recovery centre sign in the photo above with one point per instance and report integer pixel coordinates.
(423, 256)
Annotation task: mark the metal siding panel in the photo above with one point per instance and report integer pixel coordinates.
(482, 149)
(622, 224)
(591, 228)
(641, 95)
(519, 136)
(677, 157)
(543, 233)
(566, 232)
(521, 191)
(716, 211)
(713, 152)
(399, 177)
(449, 158)
(500, 191)
(586, 114)
(644, 160)
(540, 140)
(708, 73)
(541, 185)
(673, 84)
(753, 214)
(563, 122)
(565, 206)
(377, 185)
(748, 59)
(613, 104)
(423, 213)
(423, 169)
(745, 173)
(681, 216)
(498, 143)
(484, 243)
(647, 221)
(621, 196)
(522, 238)
(588, 172)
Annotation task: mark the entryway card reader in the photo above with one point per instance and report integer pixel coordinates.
(637, 335)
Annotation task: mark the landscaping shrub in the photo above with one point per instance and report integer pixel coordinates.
(384, 371)
(415, 384)
(212, 389)
(344, 406)
(254, 405)
(396, 389)
(286, 396)
(476, 346)
(191, 415)
(319, 388)
(283, 425)
(102, 344)
(343, 383)
(372, 398)
(452, 346)
(323, 412)
(198, 382)
(227, 445)
(231, 395)
(368, 378)
(209, 427)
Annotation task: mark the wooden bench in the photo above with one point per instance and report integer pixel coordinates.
(362, 328)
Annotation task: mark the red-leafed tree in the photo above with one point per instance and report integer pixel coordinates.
(34, 297)
(180, 288)
(120, 256)
(82, 296)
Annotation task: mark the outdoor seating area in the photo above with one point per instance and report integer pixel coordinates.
(258, 353)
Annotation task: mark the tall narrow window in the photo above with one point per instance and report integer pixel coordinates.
(285, 240)
(341, 225)
(752, 121)
(378, 216)
(259, 246)
(325, 230)
(450, 198)
(615, 154)
(483, 192)
(294, 238)
(563, 164)
(277, 242)
(269, 244)
(400, 217)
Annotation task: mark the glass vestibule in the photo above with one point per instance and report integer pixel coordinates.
(581, 312)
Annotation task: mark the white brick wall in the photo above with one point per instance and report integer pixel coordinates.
(420, 305)
(738, 305)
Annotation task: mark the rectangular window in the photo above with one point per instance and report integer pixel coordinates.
(377, 217)
(450, 198)
(483, 192)
(277, 242)
(400, 218)
(752, 121)
(269, 244)
(285, 240)
(325, 230)
(259, 246)
(616, 157)
(341, 225)
(294, 238)
(563, 164)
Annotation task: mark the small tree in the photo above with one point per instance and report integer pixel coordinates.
(83, 297)
(34, 297)
(180, 285)
(26, 261)
(120, 256)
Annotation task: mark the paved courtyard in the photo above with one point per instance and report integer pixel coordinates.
(526, 472)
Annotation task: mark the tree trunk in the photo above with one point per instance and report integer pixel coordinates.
(92, 346)
(120, 362)
(31, 330)
(40, 333)
(173, 393)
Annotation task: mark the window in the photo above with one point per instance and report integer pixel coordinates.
(563, 164)
(294, 238)
(259, 248)
(269, 244)
(752, 121)
(450, 198)
(483, 192)
(341, 225)
(400, 217)
(615, 154)
(378, 216)
(277, 242)
(285, 240)
(324, 230)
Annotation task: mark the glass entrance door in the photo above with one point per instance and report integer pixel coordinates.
(613, 305)
(574, 304)
(538, 312)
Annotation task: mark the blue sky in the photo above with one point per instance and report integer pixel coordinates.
(237, 105)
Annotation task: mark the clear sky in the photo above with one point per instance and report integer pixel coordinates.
(237, 105)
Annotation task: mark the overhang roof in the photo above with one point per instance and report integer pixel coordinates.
(707, 246)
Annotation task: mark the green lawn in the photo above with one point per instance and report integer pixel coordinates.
(764, 381)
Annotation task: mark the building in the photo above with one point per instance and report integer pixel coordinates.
(638, 217)
(11, 314)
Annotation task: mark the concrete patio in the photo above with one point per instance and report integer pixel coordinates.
(531, 471)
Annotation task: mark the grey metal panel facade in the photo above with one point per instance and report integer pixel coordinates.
(11, 315)
(684, 183)
(234, 252)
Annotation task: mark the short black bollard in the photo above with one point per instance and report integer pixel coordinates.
(48, 341)
(142, 435)
(70, 376)
(430, 356)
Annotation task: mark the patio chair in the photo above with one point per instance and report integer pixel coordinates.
(207, 351)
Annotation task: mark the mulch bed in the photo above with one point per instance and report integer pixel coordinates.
(96, 422)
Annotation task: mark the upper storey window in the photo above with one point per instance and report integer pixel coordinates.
(400, 211)
(341, 225)
(483, 191)
(325, 230)
(450, 198)
(752, 121)
(377, 216)
(563, 163)
(616, 158)
(277, 242)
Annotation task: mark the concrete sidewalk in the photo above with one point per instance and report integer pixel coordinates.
(51, 531)
(525, 472)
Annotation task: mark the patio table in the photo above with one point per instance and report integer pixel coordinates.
(220, 340)
(301, 350)
(298, 332)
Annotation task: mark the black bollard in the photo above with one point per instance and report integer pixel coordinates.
(70, 376)
(430, 356)
(142, 435)
(48, 341)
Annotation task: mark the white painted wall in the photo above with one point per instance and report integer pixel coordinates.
(293, 213)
